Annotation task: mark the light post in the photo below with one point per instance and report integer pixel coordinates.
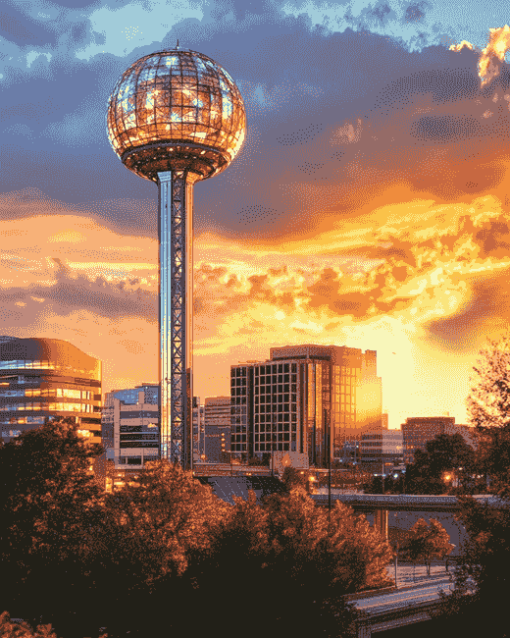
(396, 565)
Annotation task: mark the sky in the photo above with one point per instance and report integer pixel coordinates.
(368, 206)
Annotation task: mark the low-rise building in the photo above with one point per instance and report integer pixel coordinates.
(130, 425)
(381, 449)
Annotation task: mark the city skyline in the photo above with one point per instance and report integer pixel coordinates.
(368, 207)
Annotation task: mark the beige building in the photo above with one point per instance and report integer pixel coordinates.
(381, 448)
(130, 425)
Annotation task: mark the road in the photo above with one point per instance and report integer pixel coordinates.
(422, 592)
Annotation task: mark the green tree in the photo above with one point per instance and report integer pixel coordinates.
(155, 528)
(426, 542)
(293, 478)
(478, 603)
(50, 514)
(488, 406)
(269, 561)
(448, 459)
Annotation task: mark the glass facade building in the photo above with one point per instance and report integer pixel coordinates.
(41, 378)
(300, 397)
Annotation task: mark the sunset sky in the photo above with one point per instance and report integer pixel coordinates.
(369, 206)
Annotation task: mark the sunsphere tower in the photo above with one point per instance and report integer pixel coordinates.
(176, 117)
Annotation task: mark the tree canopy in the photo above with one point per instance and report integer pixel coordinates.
(427, 541)
(166, 553)
(488, 406)
(446, 464)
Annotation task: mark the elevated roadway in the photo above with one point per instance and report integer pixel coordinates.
(401, 502)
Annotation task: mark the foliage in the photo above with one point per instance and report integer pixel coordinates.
(288, 557)
(426, 542)
(50, 515)
(448, 462)
(375, 485)
(9, 629)
(478, 603)
(489, 410)
(139, 559)
(292, 478)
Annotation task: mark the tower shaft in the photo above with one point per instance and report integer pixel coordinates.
(175, 228)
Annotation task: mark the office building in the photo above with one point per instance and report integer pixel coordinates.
(418, 430)
(217, 429)
(293, 401)
(41, 378)
(381, 448)
(131, 422)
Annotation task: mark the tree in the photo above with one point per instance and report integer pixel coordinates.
(489, 410)
(284, 569)
(9, 629)
(478, 603)
(293, 478)
(50, 514)
(446, 457)
(426, 542)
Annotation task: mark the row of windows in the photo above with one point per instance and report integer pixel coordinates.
(268, 447)
(281, 436)
(136, 460)
(279, 418)
(276, 368)
(275, 427)
(39, 365)
(277, 378)
(282, 408)
(138, 444)
(138, 437)
(272, 389)
(278, 398)
(35, 420)
(49, 407)
(49, 392)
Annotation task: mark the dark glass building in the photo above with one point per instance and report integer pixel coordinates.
(301, 397)
(42, 378)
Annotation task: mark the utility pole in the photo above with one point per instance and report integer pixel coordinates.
(328, 430)
(396, 563)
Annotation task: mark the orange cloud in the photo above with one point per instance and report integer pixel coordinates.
(417, 278)
(492, 56)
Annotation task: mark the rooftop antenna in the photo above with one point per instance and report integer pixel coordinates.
(177, 45)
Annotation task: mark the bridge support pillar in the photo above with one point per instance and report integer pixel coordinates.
(381, 522)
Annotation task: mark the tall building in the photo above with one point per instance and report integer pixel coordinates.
(418, 430)
(41, 378)
(293, 401)
(217, 428)
(381, 448)
(130, 424)
(176, 117)
(385, 421)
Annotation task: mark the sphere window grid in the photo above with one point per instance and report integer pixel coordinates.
(208, 112)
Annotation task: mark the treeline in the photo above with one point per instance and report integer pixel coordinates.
(167, 554)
